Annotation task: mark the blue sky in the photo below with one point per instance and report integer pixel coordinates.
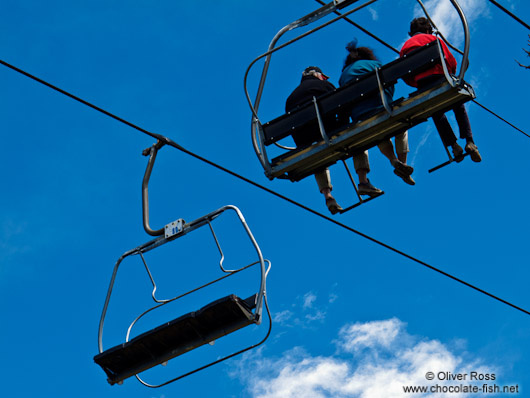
(352, 319)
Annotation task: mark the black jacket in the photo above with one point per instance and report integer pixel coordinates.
(310, 87)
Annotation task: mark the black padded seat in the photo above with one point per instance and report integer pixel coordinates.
(176, 337)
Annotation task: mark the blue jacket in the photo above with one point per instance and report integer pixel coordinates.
(372, 103)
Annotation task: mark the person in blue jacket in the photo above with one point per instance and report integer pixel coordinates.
(361, 60)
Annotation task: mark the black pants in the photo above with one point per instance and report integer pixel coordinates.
(440, 120)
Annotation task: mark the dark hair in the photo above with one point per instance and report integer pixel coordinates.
(420, 25)
(358, 54)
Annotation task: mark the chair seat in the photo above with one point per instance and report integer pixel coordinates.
(176, 337)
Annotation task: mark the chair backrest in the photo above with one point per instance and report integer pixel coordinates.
(343, 99)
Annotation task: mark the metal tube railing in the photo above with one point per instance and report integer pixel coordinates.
(151, 152)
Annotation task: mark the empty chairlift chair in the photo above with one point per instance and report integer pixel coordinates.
(340, 144)
(191, 330)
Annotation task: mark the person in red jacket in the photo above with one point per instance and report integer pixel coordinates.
(420, 35)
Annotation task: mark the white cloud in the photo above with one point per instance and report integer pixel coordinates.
(422, 142)
(483, 74)
(309, 299)
(510, 5)
(373, 13)
(447, 20)
(305, 311)
(385, 359)
(282, 316)
(358, 336)
(296, 374)
(316, 316)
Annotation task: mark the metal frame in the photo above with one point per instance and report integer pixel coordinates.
(256, 126)
(387, 107)
(257, 135)
(368, 133)
(151, 152)
(173, 231)
(188, 227)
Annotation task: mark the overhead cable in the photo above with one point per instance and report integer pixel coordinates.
(173, 144)
(511, 14)
(504, 120)
(362, 29)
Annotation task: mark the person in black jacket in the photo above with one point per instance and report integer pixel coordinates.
(314, 83)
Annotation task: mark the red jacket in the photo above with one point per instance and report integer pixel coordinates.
(421, 39)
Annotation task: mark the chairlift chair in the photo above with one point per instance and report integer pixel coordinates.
(351, 139)
(192, 330)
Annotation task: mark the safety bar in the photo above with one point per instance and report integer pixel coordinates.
(323, 133)
(361, 200)
(387, 107)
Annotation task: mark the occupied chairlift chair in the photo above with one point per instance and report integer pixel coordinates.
(191, 330)
(354, 138)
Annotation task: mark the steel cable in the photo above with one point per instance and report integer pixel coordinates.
(171, 143)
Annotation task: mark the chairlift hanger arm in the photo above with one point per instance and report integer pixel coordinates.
(151, 152)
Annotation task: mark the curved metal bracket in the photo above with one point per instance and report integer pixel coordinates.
(450, 79)
(465, 53)
(320, 123)
(151, 152)
(289, 148)
(259, 147)
(465, 56)
(387, 107)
